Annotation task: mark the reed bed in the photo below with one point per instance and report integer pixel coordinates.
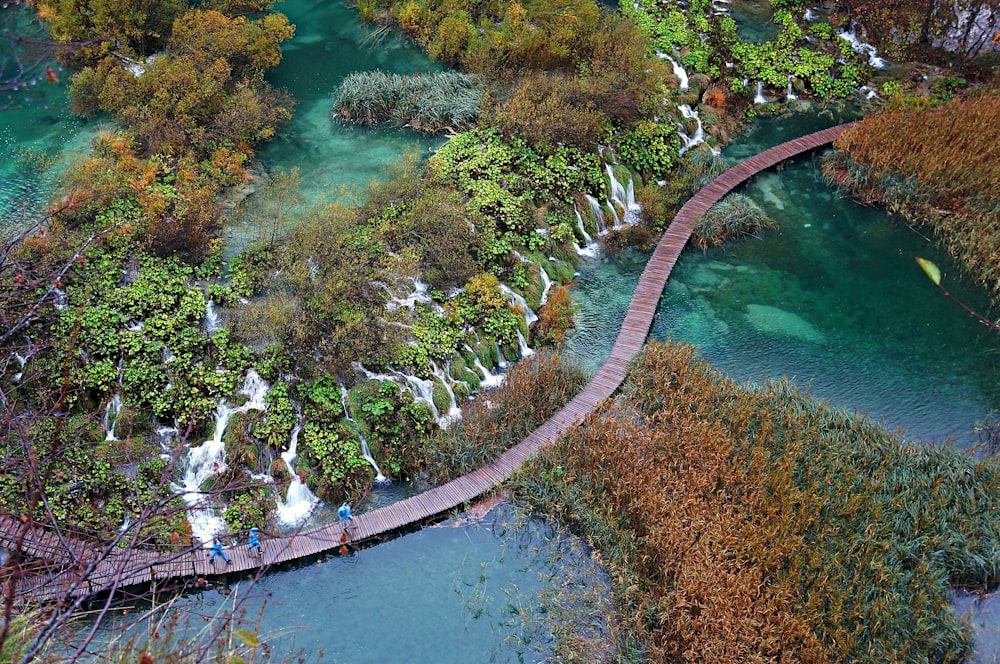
(938, 166)
(426, 102)
(532, 391)
(735, 215)
(752, 524)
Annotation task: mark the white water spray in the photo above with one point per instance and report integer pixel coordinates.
(209, 459)
(110, 419)
(759, 98)
(522, 344)
(211, 318)
(454, 412)
(863, 47)
(299, 501)
(516, 299)
(699, 132)
(490, 379)
(365, 452)
(679, 71)
(546, 284)
(589, 248)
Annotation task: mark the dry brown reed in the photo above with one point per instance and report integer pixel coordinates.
(939, 166)
(756, 524)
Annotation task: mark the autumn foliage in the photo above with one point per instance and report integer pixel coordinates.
(753, 524)
(940, 166)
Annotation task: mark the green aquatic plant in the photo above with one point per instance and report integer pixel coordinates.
(427, 102)
(734, 216)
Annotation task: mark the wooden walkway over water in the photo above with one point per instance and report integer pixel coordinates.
(73, 571)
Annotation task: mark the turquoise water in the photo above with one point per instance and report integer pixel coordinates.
(329, 44)
(36, 121)
(833, 298)
(470, 591)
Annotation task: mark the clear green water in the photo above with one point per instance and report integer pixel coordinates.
(451, 593)
(832, 298)
(35, 120)
(329, 44)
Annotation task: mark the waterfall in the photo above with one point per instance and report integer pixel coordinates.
(419, 293)
(624, 198)
(21, 361)
(454, 412)
(589, 247)
(502, 362)
(598, 211)
(699, 133)
(760, 98)
(211, 318)
(110, 418)
(489, 378)
(518, 300)
(209, 459)
(679, 71)
(365, 452)
(60, 299)
(789, 95)
(299, 501)
(546, 283)
(809, 15)
(862, 47)
(422, 390)
(522, 344)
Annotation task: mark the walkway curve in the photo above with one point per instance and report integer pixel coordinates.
(125, 567)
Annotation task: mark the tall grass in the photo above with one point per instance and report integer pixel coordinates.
(532, 391)
(426, 102)
(748, 524)
(734, 216)
(939, 166)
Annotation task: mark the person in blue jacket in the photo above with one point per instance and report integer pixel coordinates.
(345, 516)
(218, 552)
(253, 543)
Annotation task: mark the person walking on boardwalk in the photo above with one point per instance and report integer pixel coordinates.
(218, 552)
(253, 543)
(345, 516)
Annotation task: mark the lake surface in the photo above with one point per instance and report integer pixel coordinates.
(832, 298)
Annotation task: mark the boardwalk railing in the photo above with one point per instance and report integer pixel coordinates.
(130, 567)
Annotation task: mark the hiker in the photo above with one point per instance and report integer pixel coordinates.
(345, 516)
(253, 543)
(217, 551)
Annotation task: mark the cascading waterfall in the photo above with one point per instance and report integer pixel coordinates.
(863, 47)
(110, 419)
(418, 294)
(518, 300)
(365, 452)
(211, 318)
(546, 283)
(522, 344)
(699, 133)
(679, 71)
(422, 390)
(454, 412)
(299, 501)
(209, 459)
(502, 362)
(21, 361)
(589, 248)
(598, 211)
(623, 198)
(789, 94)
(60, 299)
(759, 98)
(490, 379)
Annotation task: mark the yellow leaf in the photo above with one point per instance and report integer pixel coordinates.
(931, 269)
(249, 639)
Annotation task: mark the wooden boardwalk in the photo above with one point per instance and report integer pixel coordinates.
(74, 572)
